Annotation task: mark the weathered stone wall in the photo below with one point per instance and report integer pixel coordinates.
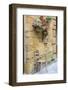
(33, 42)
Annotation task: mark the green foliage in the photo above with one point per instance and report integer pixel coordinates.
(48, 18)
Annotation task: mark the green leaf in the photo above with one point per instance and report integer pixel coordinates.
(48, 18)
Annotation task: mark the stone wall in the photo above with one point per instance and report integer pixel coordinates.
(33, 42)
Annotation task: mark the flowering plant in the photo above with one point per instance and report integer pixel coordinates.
(41, 24)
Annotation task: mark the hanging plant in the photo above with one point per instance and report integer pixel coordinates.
(41, 25)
